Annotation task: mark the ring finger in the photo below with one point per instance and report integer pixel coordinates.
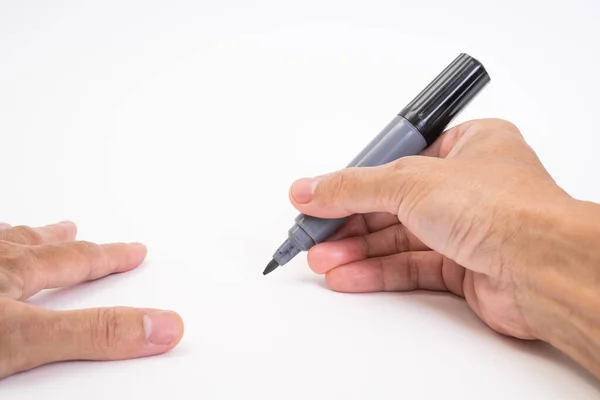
(407, 271)
(65, 264)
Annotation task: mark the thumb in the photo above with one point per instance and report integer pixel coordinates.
(390, 188)
(35, 337)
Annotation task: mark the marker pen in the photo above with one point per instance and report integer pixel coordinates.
(416, 127)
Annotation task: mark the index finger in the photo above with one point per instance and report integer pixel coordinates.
(69, 263)
(488, 138)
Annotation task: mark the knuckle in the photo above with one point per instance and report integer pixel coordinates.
(411, 183)
(26, 235)
(88, 248)
(93, 256)
(335, 185)
(405, 168)
(497, 125)
(91, 252)
(413, 271)
(400, 238)
(504, 125)
(402, 163)
(106, 331)
(341, 186)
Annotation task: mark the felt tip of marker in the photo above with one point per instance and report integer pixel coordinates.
(271, 266)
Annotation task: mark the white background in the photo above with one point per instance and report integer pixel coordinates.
(182, 124)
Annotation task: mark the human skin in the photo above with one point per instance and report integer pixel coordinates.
(477, 215)
(34, 259)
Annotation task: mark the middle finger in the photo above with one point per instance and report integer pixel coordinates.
(363, 224)
(391, 240)
(66, 264)
(59, 232)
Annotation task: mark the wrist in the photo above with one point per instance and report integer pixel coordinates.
(560, 275)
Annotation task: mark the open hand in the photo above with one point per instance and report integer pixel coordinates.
(34, 259)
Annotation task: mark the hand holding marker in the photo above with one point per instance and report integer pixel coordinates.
(416, 127)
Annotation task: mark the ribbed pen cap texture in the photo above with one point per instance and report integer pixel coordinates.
(446, 96)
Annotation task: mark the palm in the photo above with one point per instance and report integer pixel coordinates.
(375, 253)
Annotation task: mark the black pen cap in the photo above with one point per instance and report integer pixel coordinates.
(446, 96)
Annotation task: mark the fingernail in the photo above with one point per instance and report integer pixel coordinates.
(303, 190)
(138, 244)
(161, 327)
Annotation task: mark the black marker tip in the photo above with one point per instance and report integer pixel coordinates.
(271, 267)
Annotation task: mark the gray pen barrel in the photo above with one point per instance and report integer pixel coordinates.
(418, 125)
(399, 139)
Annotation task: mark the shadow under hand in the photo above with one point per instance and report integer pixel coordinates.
(455, 309)
(533, 348)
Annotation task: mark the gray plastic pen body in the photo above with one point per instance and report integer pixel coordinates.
(415, 127)
(398, 139)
